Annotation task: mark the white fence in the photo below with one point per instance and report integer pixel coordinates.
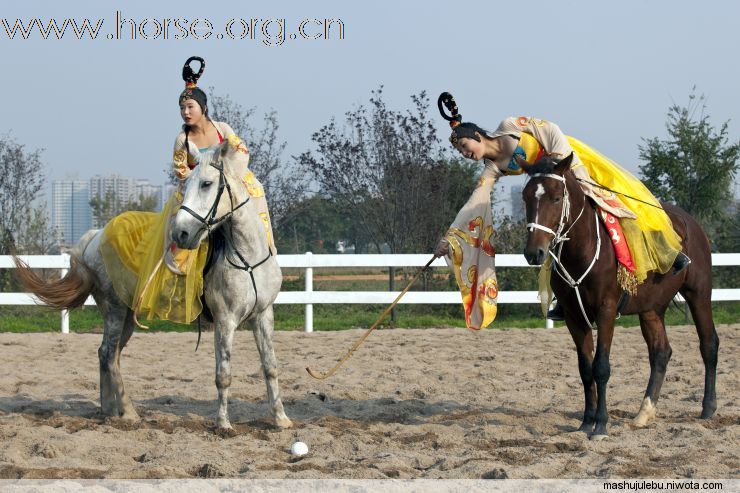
(309, 297)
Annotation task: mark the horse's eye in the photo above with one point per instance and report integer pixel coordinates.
(556, 200)
(206, 184)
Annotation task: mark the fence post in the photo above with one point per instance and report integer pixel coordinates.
(309, 289)
(65, 313)
(392, 287)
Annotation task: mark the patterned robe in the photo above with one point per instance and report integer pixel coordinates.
(643, 236)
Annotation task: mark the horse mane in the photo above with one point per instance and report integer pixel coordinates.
(543, 165)
(233, 166)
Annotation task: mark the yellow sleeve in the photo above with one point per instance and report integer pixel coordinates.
(181, 158)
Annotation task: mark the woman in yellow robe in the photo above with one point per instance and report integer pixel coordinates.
(151, 275)
(649, 234)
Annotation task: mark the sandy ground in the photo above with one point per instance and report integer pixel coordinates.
(434, 403)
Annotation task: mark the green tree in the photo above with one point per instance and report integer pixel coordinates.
(106, 207)
(24, 225)
(36, 235)
(387, 169)
(694, 166)
(21, 181)
(144, 202)
(283, 181)
(313, 224)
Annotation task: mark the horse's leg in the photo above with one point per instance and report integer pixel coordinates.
(601, 367)
(584, 342)
(125, 405)
(262, 327)
(701, 310)
(223, 339)
(659, 350)
(117, 331)
(108, 404)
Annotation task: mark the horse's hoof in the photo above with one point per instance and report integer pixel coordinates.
(131, 416)
(597, 437)
(225, 432)
(283, 423)
(646, 415)
(224, 425)
(707, 413)
(707, 410)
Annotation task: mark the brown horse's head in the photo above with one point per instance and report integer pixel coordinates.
(546, 201)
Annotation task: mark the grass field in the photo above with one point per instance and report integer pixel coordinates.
(332, 317)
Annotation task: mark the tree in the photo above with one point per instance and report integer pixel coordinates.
(283, 182)
(24, 228)
(144, 202)
(36, 235)
(388, 171)
(106, 207)
(313, 224)
(695, 166)
(21, 181)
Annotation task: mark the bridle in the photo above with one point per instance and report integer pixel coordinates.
(210, 222)
(560, 237)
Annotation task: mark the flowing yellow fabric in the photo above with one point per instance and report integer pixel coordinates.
(472, 257)
(651, 238)
(133, 244)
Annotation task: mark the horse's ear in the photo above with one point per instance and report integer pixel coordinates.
(224, 148)
(564, 165)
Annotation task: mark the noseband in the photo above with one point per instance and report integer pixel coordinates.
(560, 237)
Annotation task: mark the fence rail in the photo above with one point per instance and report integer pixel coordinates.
(309, 297)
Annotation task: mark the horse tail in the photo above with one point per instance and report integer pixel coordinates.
(68, 292)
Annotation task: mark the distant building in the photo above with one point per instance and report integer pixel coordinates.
(70, 209)
(517, 203)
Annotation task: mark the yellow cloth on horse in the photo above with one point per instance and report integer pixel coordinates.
(651, 238)
(132, 247)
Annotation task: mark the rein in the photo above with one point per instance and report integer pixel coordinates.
(617, 192)
(560, 237)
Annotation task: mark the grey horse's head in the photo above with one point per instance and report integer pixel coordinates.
(211, 191)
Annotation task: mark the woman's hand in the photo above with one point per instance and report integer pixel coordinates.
(442, 248)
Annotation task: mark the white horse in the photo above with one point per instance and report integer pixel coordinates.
(240, 287)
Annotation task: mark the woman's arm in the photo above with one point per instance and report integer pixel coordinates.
(228, 134)
(180, 158)
(479, 198)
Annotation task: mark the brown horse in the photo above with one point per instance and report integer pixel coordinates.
(584, 279)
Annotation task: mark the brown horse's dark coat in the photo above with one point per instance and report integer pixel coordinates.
(600, 292)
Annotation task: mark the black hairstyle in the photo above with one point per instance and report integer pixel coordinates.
(460, 129)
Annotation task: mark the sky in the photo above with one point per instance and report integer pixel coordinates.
(606, 72)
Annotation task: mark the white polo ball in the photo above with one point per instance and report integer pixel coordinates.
(299, 448)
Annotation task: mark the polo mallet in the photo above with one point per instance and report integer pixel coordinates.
(322, 376)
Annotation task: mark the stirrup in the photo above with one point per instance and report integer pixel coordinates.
(682, 261)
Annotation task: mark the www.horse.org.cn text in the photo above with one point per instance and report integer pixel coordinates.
(269, 32)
